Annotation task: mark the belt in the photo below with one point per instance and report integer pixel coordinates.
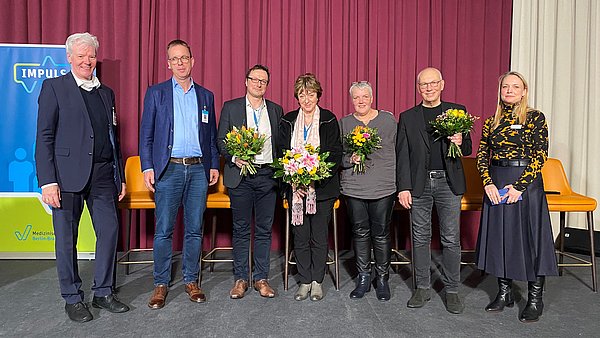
(186, 160)
(436, 174)
(262, 165)
(517, 162)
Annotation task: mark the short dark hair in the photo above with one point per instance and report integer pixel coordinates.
(259, 67)
(178, 42)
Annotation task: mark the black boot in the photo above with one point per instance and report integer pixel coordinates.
(363, 285)
(382, 288)
(534, 307)
(503, 298)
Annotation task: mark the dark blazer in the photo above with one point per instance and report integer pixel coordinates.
(156, 130)
(414, 150)
(65, 139)
(233, 114)
(329, 134)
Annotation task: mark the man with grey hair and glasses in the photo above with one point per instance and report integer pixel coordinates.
(426, 176)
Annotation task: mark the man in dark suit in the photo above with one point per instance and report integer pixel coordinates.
(78, 160)
(427, 176)
(256, 191)
(179, 158)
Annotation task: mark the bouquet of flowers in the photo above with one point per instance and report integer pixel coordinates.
(244, 144)
(301, 167)
(451, 122)
(362, 141)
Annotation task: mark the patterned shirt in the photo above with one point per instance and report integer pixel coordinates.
(507, 141)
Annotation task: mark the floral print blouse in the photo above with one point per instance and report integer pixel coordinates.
(507, 142)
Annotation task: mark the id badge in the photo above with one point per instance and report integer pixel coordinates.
(204, 115)
(516, 126)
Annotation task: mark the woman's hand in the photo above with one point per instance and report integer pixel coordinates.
(512, 195)
(299, 192)
(492, 193)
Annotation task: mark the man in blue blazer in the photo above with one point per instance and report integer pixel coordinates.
(251, 192)
(426, 176)
(78, 160)
(179, 158)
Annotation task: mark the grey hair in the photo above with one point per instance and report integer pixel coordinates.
(361, 85)
(85, 39)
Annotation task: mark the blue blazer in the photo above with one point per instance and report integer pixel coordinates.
(64, 141)
(156, 131)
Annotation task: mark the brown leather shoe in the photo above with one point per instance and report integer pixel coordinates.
(263, 287)
(238, 290)
(195, 293)
(157, 301)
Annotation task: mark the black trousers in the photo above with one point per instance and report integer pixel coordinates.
(370, 219)
(100, 196)
(311, 243)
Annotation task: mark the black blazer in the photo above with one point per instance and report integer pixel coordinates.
(329, 134)
(64, 142)
(234, 114)
(414, 150)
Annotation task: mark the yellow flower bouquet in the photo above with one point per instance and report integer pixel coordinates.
(453, 121)
(362, 141)
(244, 143)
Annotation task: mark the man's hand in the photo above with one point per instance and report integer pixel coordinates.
(355, 158)
(51, 195)
(214, 176)
(149, 180)
(240, 162)
(123, 191)
(456, 139)
(405, 199)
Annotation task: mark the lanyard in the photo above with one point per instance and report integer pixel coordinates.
(257, 117)
(306, 131)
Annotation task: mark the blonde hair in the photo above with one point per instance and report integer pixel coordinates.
(521, 108)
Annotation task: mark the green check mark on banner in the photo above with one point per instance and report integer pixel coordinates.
(23, 236)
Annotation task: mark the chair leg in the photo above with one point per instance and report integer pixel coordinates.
(590, 223)
(286, 264)
(335, 251)
(213, 238)
(128, 217)
(561, 236)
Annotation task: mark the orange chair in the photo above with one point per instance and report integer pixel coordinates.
(138, 198)
(472, 199)
(217, 199)
(288, 252)
(561, 198)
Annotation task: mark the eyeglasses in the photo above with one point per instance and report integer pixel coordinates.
(183, 59)
(433, 84)
(257, 81)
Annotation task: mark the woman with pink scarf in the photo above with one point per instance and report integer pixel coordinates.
(311, 124)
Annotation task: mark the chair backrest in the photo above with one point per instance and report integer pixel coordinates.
(472, 177)
(133, 175)
(555, 178)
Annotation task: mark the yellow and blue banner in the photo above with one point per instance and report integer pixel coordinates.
(25, 221)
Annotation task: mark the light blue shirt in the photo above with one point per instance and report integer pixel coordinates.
(186, 139)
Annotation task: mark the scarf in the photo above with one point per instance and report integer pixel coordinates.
(301, 136)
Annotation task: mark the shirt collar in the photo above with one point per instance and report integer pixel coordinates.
(250, 105)
(176, 84)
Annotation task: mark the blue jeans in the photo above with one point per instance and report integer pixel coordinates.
(180, 185)
(448, 209)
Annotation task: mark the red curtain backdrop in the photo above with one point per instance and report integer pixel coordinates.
(386, 42)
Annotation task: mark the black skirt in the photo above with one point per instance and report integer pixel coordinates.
(515, 240)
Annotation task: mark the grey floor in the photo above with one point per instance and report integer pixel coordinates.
(31, 306)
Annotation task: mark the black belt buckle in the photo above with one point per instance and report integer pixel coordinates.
(433, 174)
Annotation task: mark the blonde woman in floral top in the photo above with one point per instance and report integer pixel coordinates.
(515, 237)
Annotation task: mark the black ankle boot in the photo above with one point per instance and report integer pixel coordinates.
(534, 307)
(363, 285)
(382, 288)
(503, 298)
